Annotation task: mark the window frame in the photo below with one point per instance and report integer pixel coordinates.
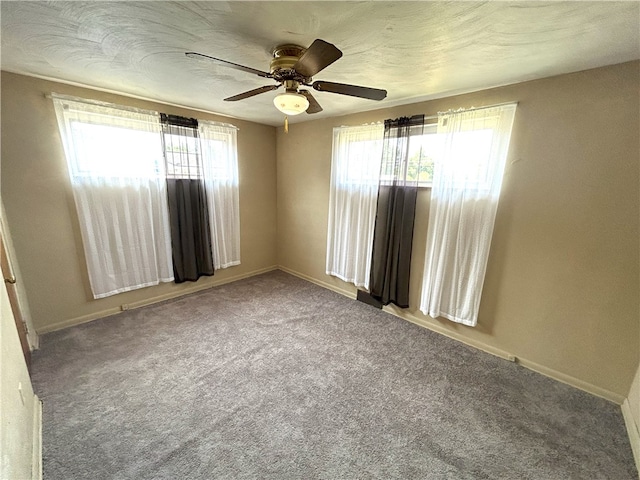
(432, 127)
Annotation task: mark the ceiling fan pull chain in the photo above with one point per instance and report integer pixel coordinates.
(286, 124)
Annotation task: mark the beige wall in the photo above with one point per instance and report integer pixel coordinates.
(40, 211)
(561, 291)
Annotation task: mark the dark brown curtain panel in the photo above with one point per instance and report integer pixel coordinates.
(188, 212)
(397, 194)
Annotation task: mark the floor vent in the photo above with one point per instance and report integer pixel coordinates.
(365, 297)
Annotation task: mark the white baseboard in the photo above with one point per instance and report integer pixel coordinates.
(574, 382)
(149, 301)
(434, 327)
(199, 288)
(632, 430)
(36, 459)
(72, 322)
(536, 367)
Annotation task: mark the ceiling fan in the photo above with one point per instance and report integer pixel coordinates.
(293, 66)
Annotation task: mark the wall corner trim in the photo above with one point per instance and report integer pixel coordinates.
(632, 431)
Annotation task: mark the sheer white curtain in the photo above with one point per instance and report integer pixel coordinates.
(464, 198)
(220, 165)
(116, 170)
(355, 173)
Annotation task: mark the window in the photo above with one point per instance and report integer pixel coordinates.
(469, 158)
(355, 173)
(463, 164)
(218, 143)
(464, 200)
(119, 161)
(182, 156)
(471, 155)
(99, 152)
(422, 150)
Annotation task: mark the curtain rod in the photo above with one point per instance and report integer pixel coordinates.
(99, 103)
(435, 117)
(87, 101)
(462, 110)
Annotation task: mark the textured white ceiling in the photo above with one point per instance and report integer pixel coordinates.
(414, 50)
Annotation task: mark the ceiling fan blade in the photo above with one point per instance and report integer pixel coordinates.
(251, 93)
(226, 63)
(314, 106)
(318, 56)
(352, 90)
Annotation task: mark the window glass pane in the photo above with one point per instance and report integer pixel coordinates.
(357, 171)
(107, 151)
(218, 151)
(182, 154)
(470, 156)
(423, 149)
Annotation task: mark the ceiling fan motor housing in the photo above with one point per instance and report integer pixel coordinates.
(284, 58)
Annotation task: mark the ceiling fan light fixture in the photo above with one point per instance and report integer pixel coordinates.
(291, 103)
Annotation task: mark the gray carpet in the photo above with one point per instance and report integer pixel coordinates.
(273, 377)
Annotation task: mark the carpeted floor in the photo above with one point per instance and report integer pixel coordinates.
(273, 377)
